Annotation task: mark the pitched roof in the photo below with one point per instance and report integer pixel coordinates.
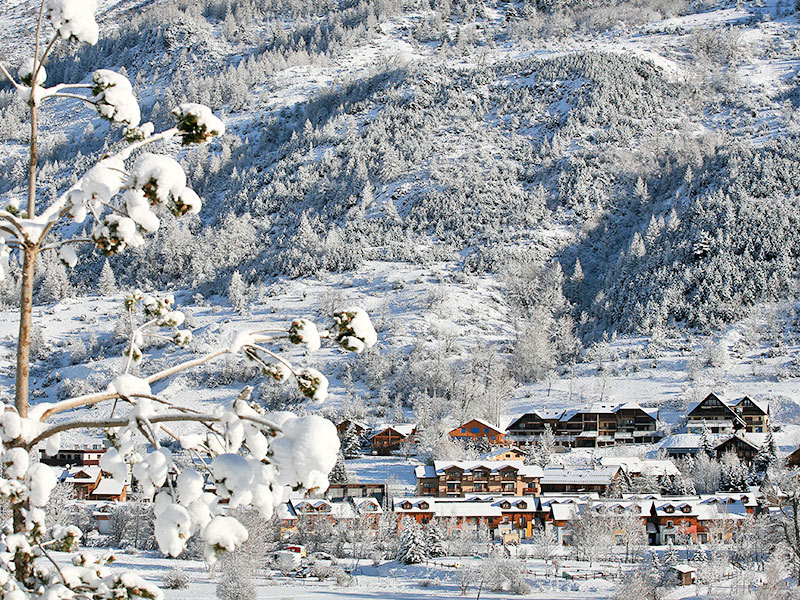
(483, 422)
(493, 466)
(500, 451)
(573, 475)
(80, 474)
(404, 429)
(109, 487)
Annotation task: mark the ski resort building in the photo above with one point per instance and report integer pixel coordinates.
(476, 429)
(388, 438)
(721, 415)
(598, 425)
(456, 479)
(74, 456)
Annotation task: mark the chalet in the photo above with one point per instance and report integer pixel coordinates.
(675, 520)
(559, 479)
(505, 453)
(341, 491)
(745, 446)
(475, 429)
(342, 510)
(89, 484)
(389, 437)
(457, 479)
(721, 415)
(499, 514)
(635, 467)
(83, 480)
(672, 519)
(75, 456)
(793, 460)
(360, 428)
(597, 425)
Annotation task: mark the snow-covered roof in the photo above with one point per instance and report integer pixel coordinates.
(639, 466)
(80, 474)
(404, 429)
(492, 454)
(573, 475)
(493, 466)
(563, 512)
(754, 440)
(684, 568)
(109, 487)
(483, 422)
(762, 405)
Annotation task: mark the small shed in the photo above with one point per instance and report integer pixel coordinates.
(684, 574)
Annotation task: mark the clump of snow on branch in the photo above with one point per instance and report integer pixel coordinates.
(197, 123)
(74, 19)
(354, 329)
(303, 331)
(114, 99)
(26, 70)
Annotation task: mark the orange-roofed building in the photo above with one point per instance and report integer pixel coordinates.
(478, 428)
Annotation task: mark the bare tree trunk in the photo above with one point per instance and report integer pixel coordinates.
(24, 342)
(21, 392)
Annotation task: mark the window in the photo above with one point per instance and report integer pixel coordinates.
(492, 438)
(485, 430)
(424, 506)
(669, 509)
(463, 430)
(670, 525)
(686, 509)
(475, 430)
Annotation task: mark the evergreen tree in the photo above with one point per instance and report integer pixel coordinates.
(672, 556)
(351, 442)
(107, 283)
(339, 472)
(706, 442)
(541, 452)
(237, 293)
(434, 540)
(767, 454)
(412, 543)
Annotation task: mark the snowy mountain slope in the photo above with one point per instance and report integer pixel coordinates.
(417, 161)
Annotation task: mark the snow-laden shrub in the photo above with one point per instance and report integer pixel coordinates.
(176, 579)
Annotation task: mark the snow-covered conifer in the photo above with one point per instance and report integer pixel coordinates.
(412, 543)
(106, 283)
(434, 540)
(339, 472)
(237, 293)
(767, 453)
(351, 442)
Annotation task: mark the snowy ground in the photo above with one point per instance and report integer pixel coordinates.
(394, 581)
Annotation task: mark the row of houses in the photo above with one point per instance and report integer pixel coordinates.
(663, 520)
(455, 479)
(595, 426)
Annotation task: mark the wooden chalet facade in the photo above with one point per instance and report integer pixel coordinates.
(89, 484)
(457, 479)
(360, 428)
(720, 415)
(743, 447)
(390, 437)
(475, 429)
(598, 425)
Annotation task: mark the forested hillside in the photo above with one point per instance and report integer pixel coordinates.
(614, 167)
